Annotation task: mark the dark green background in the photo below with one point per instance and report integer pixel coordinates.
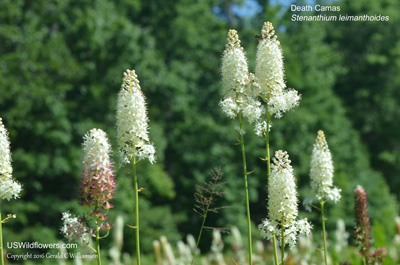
(61, 65)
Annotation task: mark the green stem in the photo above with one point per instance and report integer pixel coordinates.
(324, 233)
(198, 238)
(275, 251)
(98, 244)
(1, 237)
(136, 212)
(267, 151)
(246, 188)
(282, 245)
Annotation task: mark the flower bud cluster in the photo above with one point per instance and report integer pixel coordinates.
(9, 188)
(321, 172)
(362, 230)
(282, 203)
(132, 121)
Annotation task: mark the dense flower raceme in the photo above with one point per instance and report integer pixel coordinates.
(98, 180)
(9, 188)
(321, 172)
(132, 121)
(238, 85)
(270, 74)
(282, 203)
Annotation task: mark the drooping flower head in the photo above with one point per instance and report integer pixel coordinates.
(282, 203)
(321, 172)
(270, 74)
(9, 188)
(132, 121)
(98, 181)
(238, 85)
(73, 229)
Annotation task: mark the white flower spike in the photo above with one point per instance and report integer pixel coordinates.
(282, 203)
(132, 121)
(9, 188)
(321, 172)
(270, 74)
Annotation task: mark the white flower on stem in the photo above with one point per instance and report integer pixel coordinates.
(282, 203)
(9, 188)
(270, 74)
(235, 72)
(132, 121)
(74, 230)
(282, 195)
(238, 85)
(96, 149)
(269, 63)
(321, 172)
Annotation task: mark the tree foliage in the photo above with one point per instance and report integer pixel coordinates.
(61, 68)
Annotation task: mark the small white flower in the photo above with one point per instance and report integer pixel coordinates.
(283, 102)
(321, 172)
(73, 229)
(9, 189)
(132, 121)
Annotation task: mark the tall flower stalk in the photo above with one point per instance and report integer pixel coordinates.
(239, 102)
(270, 86)
(362, 230)
(96, 189)
(321, 175)
(132, 133)
(282, 223)
(9, 188)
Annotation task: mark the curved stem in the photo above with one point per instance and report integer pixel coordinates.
(98, 243)
(324, 233)
(246, 188)
(136, 211)
(1, 237)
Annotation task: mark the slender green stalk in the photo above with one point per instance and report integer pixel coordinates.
(282, 246)
(246, 188)
(275, 251)
(198, 238)
(1, 237)
(136, 212)
(98, 243)
(324, 233)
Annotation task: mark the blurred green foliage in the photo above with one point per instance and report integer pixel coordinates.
(61, 65)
